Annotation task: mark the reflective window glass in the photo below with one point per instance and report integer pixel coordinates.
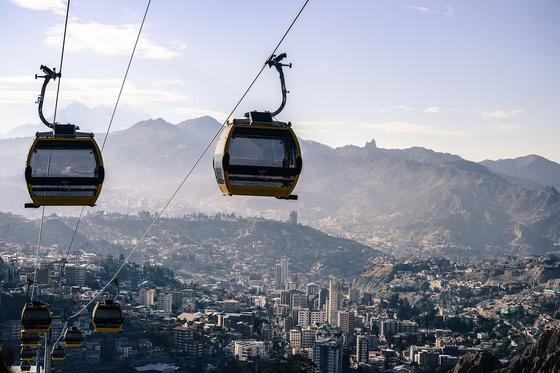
(264, 148)
(58, 162)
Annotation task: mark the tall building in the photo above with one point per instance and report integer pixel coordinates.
(146, 297)
(307, 337)
(293, 217)
(362, 348)
(245, 350)
(317, 317)
(303, 317)
(327, 350)
(298, 299)
(285, 275)
(281, 275)
(278, 275)
(347, 321)
(75, 276)
(313, 289)
(295, 338)
(165, 302)
(334, 301)
(343, 321)
(322, 299)
(308, 317)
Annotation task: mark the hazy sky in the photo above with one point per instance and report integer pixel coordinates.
(476, 78)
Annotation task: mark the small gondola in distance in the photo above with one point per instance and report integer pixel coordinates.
(73, 337)
(107, 317)
(58, 352)
(29, 339)
(27, 354)
(36, 317)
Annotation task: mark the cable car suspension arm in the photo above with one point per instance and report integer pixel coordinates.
(49, 74)
(276, 62)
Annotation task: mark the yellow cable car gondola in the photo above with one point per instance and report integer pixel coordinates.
(29, 339)
(108, 317)
(64, 167)
(259, 156)
(58, 352)
(27, 354)
(73, 337)
(36, 317)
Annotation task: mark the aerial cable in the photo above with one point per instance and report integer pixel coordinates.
(110, 121)
(54, 121)
(102, 147)
(33, 285)
(61, 59)
(185, 178)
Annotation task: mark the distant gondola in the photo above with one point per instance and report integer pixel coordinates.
(36, 317)
(29, 339)
(73, 337)
(27, 354)
(108, 317)
(58, 352)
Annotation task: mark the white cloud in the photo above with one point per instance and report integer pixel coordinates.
(109, 40)
(421, 9)
(55, 6)
(447, 10)
(508, 127)
(18, 89)
(24, 89)
(500, 113)
(169, 83)
(404, 108)
(412, 129)
(433, 109)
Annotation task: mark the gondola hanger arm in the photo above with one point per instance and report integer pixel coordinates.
(49, 74)
(275, 60)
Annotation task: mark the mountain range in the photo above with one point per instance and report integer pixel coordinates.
(404, 201)
(93, 119)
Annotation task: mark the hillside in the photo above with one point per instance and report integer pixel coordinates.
(532, 167)
(198, 242)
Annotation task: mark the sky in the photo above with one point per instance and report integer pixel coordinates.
(476, 78)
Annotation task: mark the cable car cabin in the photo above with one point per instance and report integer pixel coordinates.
(27, 354)
(29, 339)
(36, 317)
(58, 352)
(73, 337)
(108, 317)
(258, 157)
(64, 170)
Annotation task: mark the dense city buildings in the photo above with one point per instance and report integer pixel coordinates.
(402, 314)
